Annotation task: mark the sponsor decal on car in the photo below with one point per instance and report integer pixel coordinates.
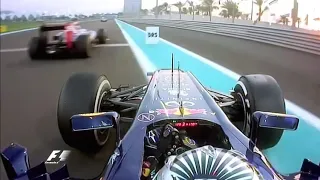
(174, 79)
(175, 92)
(145, 117)
(181, 111)
(178, 104)
(182, 98)
(171, 86)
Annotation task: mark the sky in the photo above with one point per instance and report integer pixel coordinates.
(115, 6)
(73, 6)
(84, 6)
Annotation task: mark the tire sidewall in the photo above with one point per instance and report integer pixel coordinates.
(85, 102)
(83, 46)
(267, 137)
(101, 36)
(243, 91)
(36, 47)
(102, 89)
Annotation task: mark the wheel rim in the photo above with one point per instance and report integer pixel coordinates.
(51, 50)
(246, 123)
(101, 136)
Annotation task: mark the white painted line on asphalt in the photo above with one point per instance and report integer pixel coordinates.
(13, 32)
(100, 45)
(111, 45)
(13, 50)
(145, 64)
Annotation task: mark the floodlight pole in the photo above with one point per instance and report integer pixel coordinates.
(233, 9)
(251, 9)
(157, 8)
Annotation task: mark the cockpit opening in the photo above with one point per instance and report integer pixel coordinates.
(173, 137)
(202, 131)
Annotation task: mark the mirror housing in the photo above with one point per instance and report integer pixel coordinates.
(95, 121)
(309, 170)
(150, 73)
(276, 120)
(91, 121)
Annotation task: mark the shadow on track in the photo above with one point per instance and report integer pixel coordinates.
(28, 63)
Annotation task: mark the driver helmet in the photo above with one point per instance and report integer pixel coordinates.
(207, 162)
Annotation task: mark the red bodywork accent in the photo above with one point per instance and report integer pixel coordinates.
(69, 35)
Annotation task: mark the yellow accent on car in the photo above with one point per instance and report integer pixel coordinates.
(146, 172)
(92, 114)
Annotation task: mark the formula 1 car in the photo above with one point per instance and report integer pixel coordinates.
(104, 19)
(179, 129)
(72, 40)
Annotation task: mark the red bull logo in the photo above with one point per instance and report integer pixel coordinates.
(180, 111)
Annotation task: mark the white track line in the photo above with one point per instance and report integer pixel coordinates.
(145, 64)
(14, 32)
(100, 45)
(13, 50)
(111, 45)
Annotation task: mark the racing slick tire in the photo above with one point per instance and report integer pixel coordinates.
(101, 36)
(37, 47)
(260, 92)
(83, 46)
(82, 93)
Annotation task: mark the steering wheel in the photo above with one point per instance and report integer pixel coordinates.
(174, 142)
(162, 142)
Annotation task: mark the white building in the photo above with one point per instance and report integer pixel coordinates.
(132, 7)
(245, 6)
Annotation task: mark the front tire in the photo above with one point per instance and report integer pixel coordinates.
(260, 93)
(82, 93)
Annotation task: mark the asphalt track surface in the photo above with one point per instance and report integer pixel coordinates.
(30, 89)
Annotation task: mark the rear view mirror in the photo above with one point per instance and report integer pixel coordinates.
(92, 121)
(276, 120)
